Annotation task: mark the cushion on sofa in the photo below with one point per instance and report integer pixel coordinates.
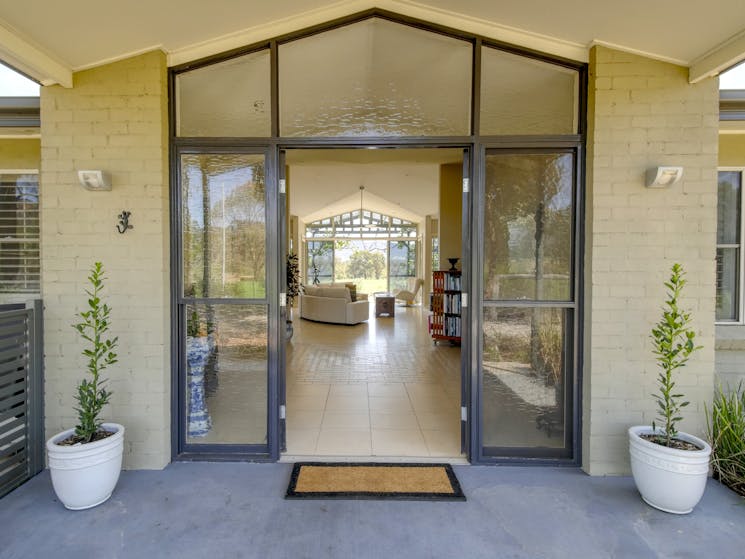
(352, 291)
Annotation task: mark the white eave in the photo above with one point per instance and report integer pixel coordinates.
(718, 60)
(477, 26)
(30, 60)
(41, 64)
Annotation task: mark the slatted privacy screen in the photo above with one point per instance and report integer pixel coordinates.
(19, 231)
(21, 401)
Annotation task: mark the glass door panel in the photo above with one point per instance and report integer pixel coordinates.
(223, 306)
(524, 361)
(528, 227)
(402, 258)
(226, 374)
(224, 226)
(528, 332)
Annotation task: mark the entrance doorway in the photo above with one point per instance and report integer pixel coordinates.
(369, 225)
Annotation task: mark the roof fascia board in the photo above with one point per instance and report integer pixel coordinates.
(718, 59)
(534, 41)
(643, 53)
(118, 58)
(31, 60)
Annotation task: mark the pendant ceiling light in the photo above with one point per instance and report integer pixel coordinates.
(362, 192)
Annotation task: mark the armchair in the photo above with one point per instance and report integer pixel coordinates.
(408, 296)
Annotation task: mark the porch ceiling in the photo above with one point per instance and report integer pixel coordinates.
(48, 40)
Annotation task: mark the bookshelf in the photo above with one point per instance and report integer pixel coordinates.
(445, 320)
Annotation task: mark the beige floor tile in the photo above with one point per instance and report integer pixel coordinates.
(302, 441)
(442, 442)
(354, 390)
(437, 420)
(390, 405)
(303, 419)
(383, 420)
(370, 379)
(306, 403)
(341, 402)
(338, 442)
(302, 389)
(434, 404)
(398, 442)
(378, 390)
(346, 420)
(426, 389)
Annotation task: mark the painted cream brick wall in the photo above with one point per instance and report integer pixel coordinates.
(643, 113)
(20, 153)
(114, 118)
(730, 357)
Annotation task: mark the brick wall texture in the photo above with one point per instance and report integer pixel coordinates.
(643, 113)
(115, 119)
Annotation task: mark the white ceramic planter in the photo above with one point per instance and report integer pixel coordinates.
(669, 479)
(84, 475)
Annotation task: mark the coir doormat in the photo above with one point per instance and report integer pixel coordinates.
(406, 482)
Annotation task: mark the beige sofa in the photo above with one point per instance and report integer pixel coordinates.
(333, 304)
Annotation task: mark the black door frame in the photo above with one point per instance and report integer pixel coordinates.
(574, 367)
(472, 273)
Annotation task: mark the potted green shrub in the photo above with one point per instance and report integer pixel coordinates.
(670, 467)
(85, 462)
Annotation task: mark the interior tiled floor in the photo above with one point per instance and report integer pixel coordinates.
(380, 388)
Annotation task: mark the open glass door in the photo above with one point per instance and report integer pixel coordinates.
(285, 303)
(465, 399)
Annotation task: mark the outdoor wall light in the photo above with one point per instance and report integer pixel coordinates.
(94, 180)
(662, 177)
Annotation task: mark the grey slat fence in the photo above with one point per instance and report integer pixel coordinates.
(21, 394)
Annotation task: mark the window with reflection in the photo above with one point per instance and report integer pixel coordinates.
(375, 78)
(226, 374)
(528, 226)
(521, 95)
(729, 251)
(524, 384)
(224, 216)
(230, 98)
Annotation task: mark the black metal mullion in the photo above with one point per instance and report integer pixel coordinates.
(275, 331)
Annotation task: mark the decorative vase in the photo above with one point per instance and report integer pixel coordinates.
(453, 262)
(669, 479)
(198, 351)
(84, 475)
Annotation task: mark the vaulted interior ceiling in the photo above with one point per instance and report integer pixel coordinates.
(403, 183)
(48, 40)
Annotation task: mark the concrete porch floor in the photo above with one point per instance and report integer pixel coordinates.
(216, 510)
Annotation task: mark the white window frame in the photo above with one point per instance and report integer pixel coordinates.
(740, 319)
(9, 295)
